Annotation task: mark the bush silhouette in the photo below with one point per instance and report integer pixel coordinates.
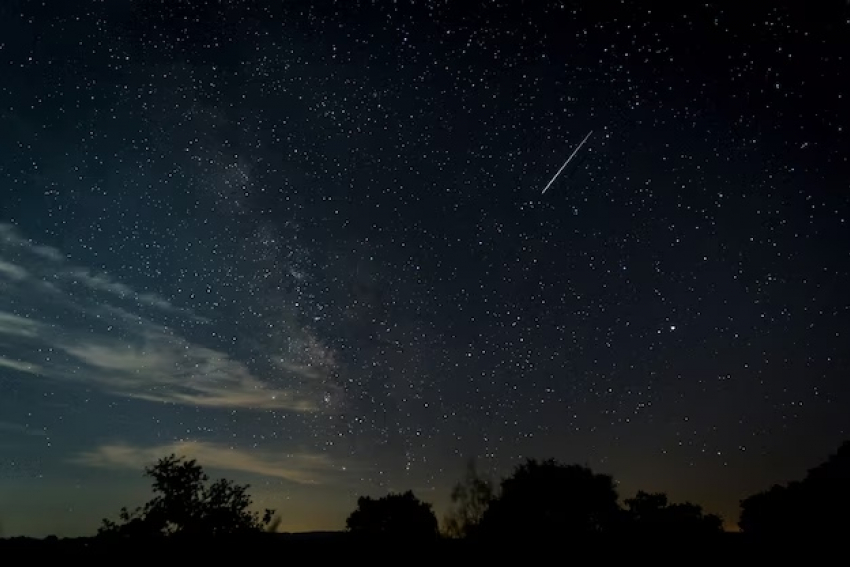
(651, 515)
(813, 508)
(185, 505)
(401, 516)
(547, 499)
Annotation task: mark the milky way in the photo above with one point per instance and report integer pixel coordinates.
(306, 244)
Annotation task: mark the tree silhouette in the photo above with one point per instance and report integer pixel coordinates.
(401, 516)
(471, 498)
(548, 499)
(185, 505)
(651, 515)
(773, 512)
(814, 507)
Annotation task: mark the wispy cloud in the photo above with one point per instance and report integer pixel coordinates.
(166, 368)
(62, 321)
(9, 427)
(9, 235)
(19, 366)
(12, 272)
(11, 324)
(12, 243)
(302, 468)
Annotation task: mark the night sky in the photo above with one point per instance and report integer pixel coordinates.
(307, 244)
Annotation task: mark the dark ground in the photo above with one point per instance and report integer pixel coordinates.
(276, 548)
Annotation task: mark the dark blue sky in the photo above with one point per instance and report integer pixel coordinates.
(307, 245)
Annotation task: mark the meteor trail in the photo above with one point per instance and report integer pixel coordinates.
(572, 155)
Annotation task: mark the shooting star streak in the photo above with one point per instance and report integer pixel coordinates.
(569, 159)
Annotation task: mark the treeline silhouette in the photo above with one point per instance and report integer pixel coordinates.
(541, 504)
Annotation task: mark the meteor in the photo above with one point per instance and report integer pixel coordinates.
(572, 155)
